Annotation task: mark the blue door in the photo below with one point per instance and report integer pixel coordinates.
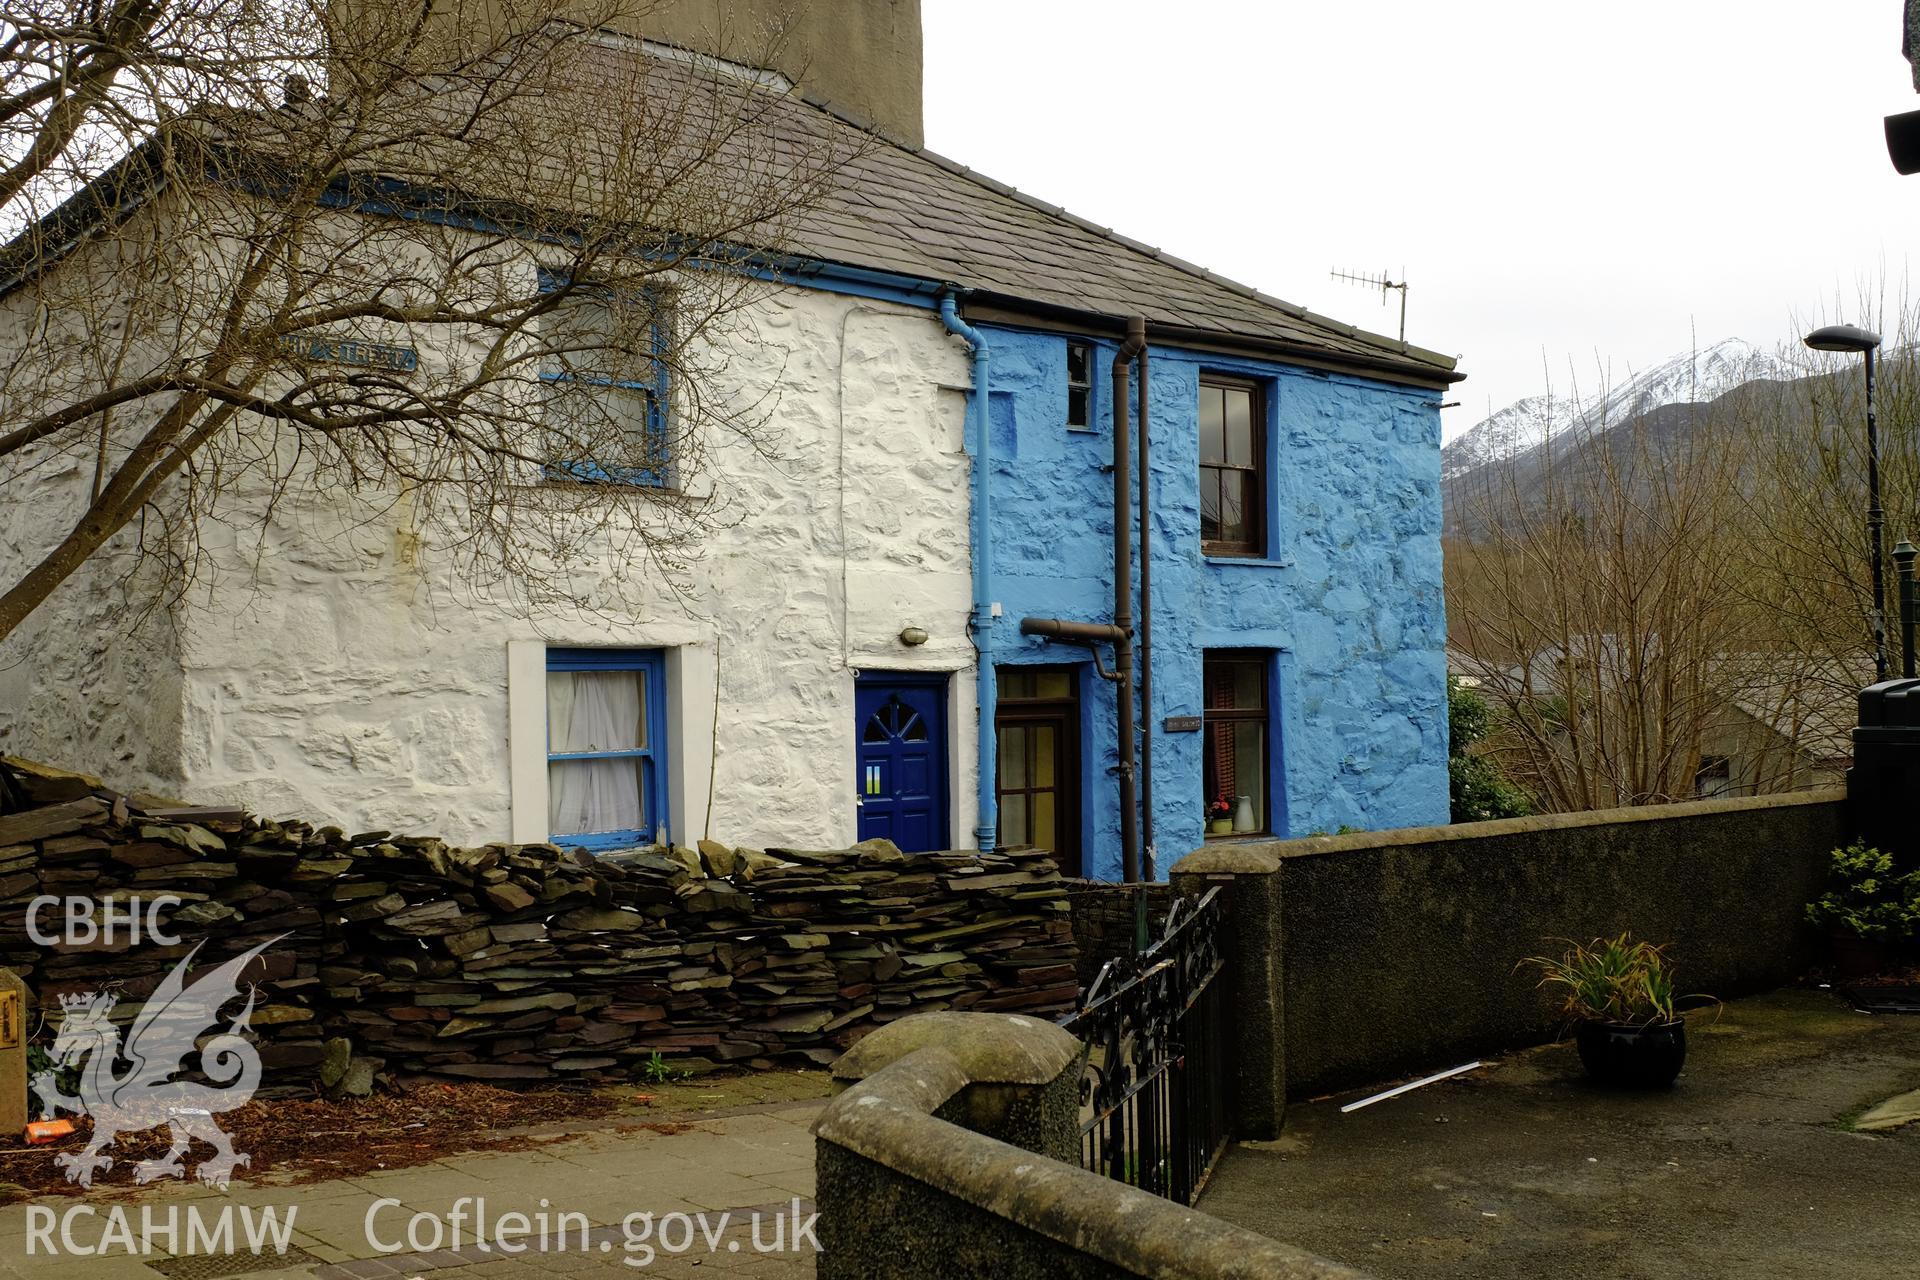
(901, 775)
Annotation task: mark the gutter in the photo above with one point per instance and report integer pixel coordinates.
(1417, 368)
(980, 622)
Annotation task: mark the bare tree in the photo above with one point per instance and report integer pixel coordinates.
(481, 258)
(1639, 595)
(1599, 600)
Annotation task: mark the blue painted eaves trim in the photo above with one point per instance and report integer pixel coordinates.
(389, 197)
(859, 282)
(394, 198)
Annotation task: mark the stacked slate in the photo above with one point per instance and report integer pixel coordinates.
(406, 956)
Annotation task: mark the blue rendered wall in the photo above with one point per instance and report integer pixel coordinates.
(1350, 602)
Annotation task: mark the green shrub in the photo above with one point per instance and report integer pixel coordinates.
(1475, 789)
(1865, 898)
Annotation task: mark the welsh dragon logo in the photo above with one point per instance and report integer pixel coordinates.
(164, 1036)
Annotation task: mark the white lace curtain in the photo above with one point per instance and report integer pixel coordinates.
(595, 711)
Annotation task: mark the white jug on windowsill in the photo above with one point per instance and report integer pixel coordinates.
(1243, 819)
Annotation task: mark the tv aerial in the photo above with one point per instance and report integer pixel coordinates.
(1384, 283)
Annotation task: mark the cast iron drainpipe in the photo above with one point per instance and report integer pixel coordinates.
(1148, 852)
(1123, 618)
(986, 699)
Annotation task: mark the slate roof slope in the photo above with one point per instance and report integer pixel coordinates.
(907, 210)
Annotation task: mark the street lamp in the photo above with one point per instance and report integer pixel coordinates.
(1846, 337)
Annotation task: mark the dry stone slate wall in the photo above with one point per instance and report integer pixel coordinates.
(404, 955)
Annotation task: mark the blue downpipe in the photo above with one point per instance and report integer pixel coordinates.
(986, 824)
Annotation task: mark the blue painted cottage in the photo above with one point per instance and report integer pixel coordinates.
(1297, 672)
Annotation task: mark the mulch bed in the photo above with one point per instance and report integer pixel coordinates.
(1895, 989)
(314, 1138)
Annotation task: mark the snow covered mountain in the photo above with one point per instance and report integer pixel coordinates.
(1689, 377)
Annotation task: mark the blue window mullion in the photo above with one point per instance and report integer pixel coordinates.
(651, 667)
(653, 429)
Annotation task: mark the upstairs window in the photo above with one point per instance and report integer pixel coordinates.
(606, 747)
(603, 363)
(1233, 468)
(1080, 386)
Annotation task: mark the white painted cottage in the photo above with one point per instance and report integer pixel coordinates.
(328, 665)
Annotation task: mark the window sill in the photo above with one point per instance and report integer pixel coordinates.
(666, 489)
(1241, 837)
(1247, 562)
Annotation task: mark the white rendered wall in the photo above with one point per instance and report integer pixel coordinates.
(91, 680)
(342, 672)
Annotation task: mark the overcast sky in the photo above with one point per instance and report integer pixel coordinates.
(1564, 185)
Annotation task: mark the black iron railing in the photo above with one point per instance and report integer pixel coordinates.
(1153, 1108)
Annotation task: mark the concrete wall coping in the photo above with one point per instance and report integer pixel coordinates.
(1213, 859)
(1230, 859)
(888, 1119)
(991, 1048)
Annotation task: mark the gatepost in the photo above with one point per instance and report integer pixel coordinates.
(1249, 875)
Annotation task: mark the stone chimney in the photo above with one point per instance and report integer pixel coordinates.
(862, 56)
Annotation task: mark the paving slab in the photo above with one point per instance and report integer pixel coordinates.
(1751, 1166)
(711, 1197)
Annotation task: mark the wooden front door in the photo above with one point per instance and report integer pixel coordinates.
(901, 776)
(1037, 720)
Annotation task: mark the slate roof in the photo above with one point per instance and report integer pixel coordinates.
(907, 210)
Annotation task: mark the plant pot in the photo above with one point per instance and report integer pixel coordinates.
(1857, 957)
(1220, 826)
(1632, 1057)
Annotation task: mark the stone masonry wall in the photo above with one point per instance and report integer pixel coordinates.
(527, 962)
(1103, 920)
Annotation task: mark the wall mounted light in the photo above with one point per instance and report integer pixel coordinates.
(913, 636)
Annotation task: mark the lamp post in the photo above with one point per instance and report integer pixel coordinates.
(1846, 337)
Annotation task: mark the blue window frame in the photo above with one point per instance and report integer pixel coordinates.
(606, 747)
(628, 421)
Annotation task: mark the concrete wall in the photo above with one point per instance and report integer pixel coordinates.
(955, 1154)
(1348, 600)
(1397, 950)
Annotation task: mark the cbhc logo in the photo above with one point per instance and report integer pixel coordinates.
(83, 924)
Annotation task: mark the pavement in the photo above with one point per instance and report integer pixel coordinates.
(1761, 1162)
(1756, 1164)
(728, 1194)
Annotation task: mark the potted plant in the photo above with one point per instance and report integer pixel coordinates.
(1867, 911)
(1618, 993)
(1220, 816)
